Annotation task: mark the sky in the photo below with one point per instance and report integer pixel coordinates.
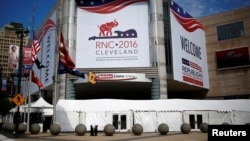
(21, 10)
(201, 8)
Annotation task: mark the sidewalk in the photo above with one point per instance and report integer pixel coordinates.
(171, 136)
(4, 138)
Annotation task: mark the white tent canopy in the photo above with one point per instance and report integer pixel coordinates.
(37, 106)
(40, 103)
(150, 113)
(153, 105)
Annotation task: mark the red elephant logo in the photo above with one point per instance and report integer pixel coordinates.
(107, 28)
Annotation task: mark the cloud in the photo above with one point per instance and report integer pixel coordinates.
(195, 8)
(201, 8)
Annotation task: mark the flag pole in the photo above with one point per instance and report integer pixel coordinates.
(29, 93)
(29, 84)
(25, 103)
(55, 78)
(55, 81)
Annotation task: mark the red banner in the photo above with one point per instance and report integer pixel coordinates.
(236, 57)
(27, 58)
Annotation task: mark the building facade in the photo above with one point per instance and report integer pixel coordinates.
(228, 41)
(224, 83)
(155, 78)
(162, 79)
(9, 38)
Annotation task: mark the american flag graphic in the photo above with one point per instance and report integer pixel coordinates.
(185, 20)
(105, 6)
(191, 64)
(35, 47)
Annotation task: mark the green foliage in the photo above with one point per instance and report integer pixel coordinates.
(5, 104)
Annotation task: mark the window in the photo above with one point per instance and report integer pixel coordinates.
(230, 31)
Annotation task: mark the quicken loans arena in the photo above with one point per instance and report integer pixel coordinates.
(134, 61)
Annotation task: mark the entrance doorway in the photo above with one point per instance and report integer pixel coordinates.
(195, 119)
(120, 122)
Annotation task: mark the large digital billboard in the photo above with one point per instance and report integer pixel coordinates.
(188, 48)
(112, 34)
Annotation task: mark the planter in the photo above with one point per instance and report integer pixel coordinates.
(55, 129)
(163, 129)
(137, 129)
(109, 130)
(80, 129)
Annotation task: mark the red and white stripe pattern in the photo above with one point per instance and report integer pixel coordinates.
(195, 66)
(35, 47)
(191, 64)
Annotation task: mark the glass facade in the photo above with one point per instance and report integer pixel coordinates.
(167, 35)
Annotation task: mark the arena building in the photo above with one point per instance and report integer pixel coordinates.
(129, 56)
(135, 55)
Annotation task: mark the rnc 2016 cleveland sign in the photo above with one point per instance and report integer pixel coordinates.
(112, 34)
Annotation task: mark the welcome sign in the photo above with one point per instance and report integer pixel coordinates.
(188, 48)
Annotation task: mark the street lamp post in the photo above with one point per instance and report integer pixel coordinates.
(1, 73)
(19, 31)
(22, 34)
